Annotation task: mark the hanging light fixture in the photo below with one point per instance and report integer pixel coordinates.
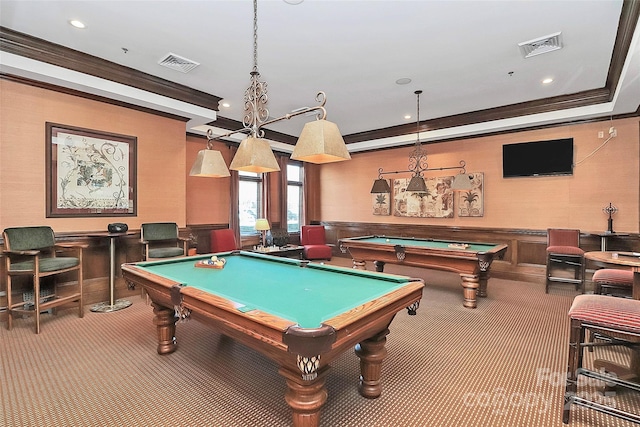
(209, 163)
(418, 165)
(319, 142)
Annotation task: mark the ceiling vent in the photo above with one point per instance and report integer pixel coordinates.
(178, 63)
(541, 45)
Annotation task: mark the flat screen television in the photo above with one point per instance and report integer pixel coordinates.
(540, 158)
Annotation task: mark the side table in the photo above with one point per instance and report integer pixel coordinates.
(112, 304)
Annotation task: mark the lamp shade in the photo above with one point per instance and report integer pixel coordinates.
(262, 224)
(209, 163)
(380, 185)
(462, 182)
(417, 185)
(320, 142)
(254, 155)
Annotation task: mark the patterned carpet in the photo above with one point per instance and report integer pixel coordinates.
(501, 364)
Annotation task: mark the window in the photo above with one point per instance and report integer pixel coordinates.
(250, 201)
(295, 174)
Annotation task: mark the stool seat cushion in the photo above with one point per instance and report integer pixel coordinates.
(612, 276)
(46, 264)
(609, 312)
(565, 250)
(169, 252)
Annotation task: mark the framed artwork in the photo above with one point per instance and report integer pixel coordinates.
(381, 203)
(471, 202)
(437, 202)
(89, 173)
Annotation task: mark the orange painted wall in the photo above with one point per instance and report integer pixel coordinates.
(610, 175)
(161, 158)
(209, 198)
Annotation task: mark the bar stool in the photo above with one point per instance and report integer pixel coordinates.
(617, 318)
(563, 251)
(613, 281)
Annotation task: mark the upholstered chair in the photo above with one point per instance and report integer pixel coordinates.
(314, 241)
(564, 252)
(223, 240)
(32, 253)
(161, 240)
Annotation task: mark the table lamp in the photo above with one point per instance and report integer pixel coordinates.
(262, 225)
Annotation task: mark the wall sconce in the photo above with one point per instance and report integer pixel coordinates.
(418, 165)
(319, 141)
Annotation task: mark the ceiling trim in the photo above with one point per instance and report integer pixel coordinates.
(51, 53)
(81, 94)
(44, 51)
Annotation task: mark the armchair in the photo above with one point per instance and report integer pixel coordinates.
(223, 240)
(314, 241)
(161, 240)
(31, 252)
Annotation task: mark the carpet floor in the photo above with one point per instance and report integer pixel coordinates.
(501, 364)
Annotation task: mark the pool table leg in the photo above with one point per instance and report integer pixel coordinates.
(482, 289)
(359, 264)
(305, 398)
(165, 320)
(470, 284)
(371, 353)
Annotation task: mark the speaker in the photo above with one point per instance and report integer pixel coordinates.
(117, 227)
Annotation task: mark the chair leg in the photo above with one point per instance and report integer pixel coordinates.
(546, 286)
(576, 337)
(36, 300)
(81, 299)
(9, 304)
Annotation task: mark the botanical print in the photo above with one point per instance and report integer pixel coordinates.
(471, 202)
(437, 202)
(381, 203)
(92, 173)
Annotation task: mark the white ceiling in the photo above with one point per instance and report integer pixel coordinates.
(463, 55)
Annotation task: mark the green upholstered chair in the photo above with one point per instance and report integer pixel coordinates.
(32, 252)
(161, 240)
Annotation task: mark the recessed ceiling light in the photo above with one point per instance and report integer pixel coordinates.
(403, 81)
(293, 2)
(547, 80)
(77, 24)
(407, 116)
(225, 104)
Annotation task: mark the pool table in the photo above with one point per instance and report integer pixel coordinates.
(299, 314)
(470, 260)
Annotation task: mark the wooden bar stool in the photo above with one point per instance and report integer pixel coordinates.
(613, 281)
(617, 318)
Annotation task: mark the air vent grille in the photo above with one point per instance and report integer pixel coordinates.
(178, 63)
(541, 45)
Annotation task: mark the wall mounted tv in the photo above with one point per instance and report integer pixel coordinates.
(538, 158)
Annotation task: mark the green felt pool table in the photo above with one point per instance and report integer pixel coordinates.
(302, 315)
(471, 260)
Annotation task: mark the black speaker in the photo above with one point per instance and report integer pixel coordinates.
(117, 227)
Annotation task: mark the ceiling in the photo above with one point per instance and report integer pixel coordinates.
(463, 55)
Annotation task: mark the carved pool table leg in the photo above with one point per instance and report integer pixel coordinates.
(483, 280)
(359, 264)
(165, 320)
(470, 284)
(371, 353)
(305, 398)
